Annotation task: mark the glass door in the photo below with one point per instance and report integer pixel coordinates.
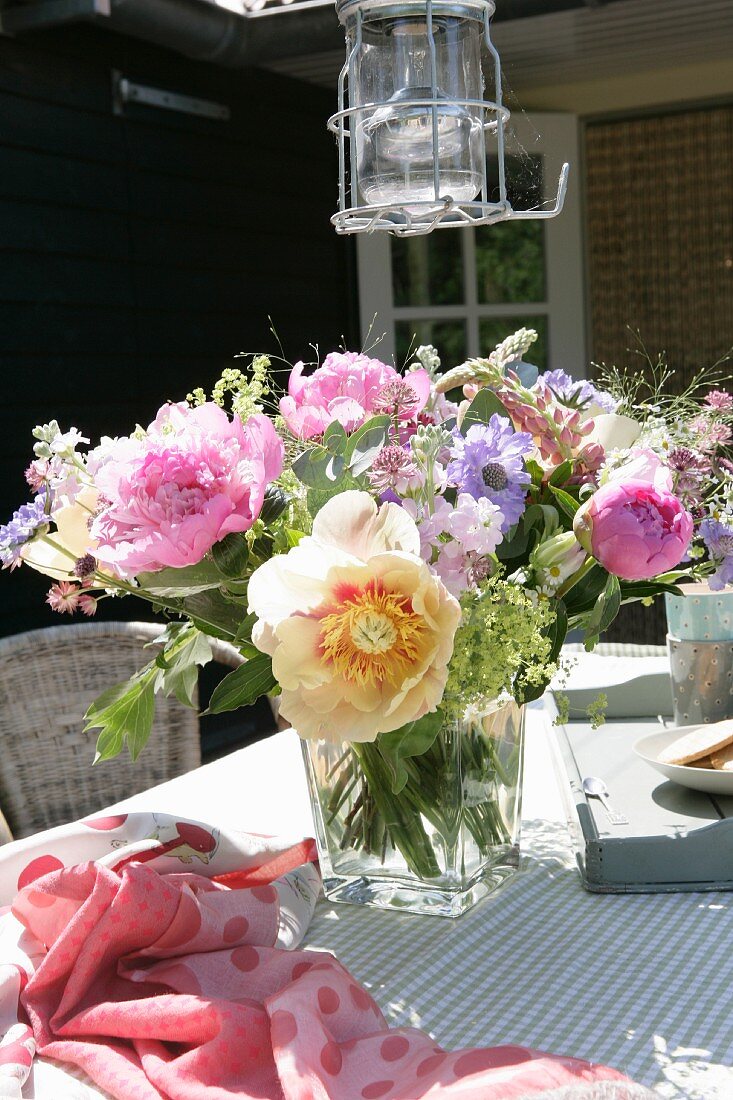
(464, 290)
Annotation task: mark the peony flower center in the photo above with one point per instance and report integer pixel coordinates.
(372, 636)
(373, 632)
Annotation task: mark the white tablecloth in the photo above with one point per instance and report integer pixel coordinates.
(639, 982)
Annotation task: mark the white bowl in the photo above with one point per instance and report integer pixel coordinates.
(699, 779)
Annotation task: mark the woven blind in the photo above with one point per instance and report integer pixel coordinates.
(660, 251)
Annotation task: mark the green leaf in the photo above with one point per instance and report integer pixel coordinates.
(522, 538)
(565, 502)
(412, 739)
(243, 686)
(365, 444)
(129, 718)
(318, 469)
(482, 408)
(534, 470)
(231, 555)
(180, 667)
(274, 504)
(561, 473)
(582, 595)
(213, 614)
(334, 438)
(318, 497)
(182, 582)
(605, 610)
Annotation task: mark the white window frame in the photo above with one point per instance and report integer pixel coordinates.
(565, 282)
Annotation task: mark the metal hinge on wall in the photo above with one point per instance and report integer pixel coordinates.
(125, 91)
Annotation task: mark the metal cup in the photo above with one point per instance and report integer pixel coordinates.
(702, 680)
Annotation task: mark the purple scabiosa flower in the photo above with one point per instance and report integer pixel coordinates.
(489, 462)
(576, 393)
(718, 538)
(20, 529)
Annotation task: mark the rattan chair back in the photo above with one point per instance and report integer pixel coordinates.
(48, 678)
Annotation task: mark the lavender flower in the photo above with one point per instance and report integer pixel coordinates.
(576, 394)
(489, 462)
(718, 538)
(20, 529)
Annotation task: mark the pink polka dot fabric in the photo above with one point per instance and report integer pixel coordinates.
(177, 986)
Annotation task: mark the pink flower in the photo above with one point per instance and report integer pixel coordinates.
(63, 597)
(347, 387)
(633, 529)
(642, 464)
(195, 477)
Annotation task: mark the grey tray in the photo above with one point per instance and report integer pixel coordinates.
(676, 840)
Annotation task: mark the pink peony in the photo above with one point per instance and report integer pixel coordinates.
(193, 478)
(348, 388)
(633, 529)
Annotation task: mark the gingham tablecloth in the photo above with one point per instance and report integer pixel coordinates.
(640, 982)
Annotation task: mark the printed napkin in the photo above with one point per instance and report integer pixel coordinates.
(159, 956)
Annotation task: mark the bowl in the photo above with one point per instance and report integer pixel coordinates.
(698, 779)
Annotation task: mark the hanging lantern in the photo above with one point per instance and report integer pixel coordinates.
(413, 123)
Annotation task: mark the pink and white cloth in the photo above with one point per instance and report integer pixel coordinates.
(160, 956)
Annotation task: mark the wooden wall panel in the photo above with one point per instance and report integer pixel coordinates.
(659, 203)
(139, 253)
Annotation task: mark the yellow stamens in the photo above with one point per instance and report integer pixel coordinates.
(373, 636)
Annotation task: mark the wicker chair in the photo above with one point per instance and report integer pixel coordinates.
(48, 678)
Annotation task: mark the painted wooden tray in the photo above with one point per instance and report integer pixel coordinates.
(677, 839)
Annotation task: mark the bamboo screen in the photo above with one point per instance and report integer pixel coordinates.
(660, 253)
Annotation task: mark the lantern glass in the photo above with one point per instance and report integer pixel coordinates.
(417, 139)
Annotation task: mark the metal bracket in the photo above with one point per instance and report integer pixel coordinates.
(125, 91)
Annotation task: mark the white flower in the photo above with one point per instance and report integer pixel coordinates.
(476, 524)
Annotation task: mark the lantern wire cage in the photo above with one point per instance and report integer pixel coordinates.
(417, 216)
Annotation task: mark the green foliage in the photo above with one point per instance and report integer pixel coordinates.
(366, 443)
(604, 612)
(522, 538)
(231, 555)
(181, 582)
(484, 405)
(412, 739)
(243, 686)
(504, 643)
(124, 714)
(566, 503)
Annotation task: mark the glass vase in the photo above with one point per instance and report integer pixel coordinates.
(435, 835)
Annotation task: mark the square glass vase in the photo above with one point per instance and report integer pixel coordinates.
(434, 834)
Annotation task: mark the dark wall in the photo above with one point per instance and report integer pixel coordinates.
(138, 254)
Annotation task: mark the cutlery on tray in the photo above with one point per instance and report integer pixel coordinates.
(596, 788)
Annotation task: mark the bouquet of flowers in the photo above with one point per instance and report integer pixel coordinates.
(389, 561)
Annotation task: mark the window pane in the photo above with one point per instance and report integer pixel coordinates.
(510, 262)
(449, 337)
(492, 330)
(427, 271)
(510, 257)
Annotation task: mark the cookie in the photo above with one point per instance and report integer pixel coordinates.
(722, 759)
(703, 741)
(703, 762)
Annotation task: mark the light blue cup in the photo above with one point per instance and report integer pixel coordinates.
(701, 615)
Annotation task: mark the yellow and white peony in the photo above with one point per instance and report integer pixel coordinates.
(359, 629)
